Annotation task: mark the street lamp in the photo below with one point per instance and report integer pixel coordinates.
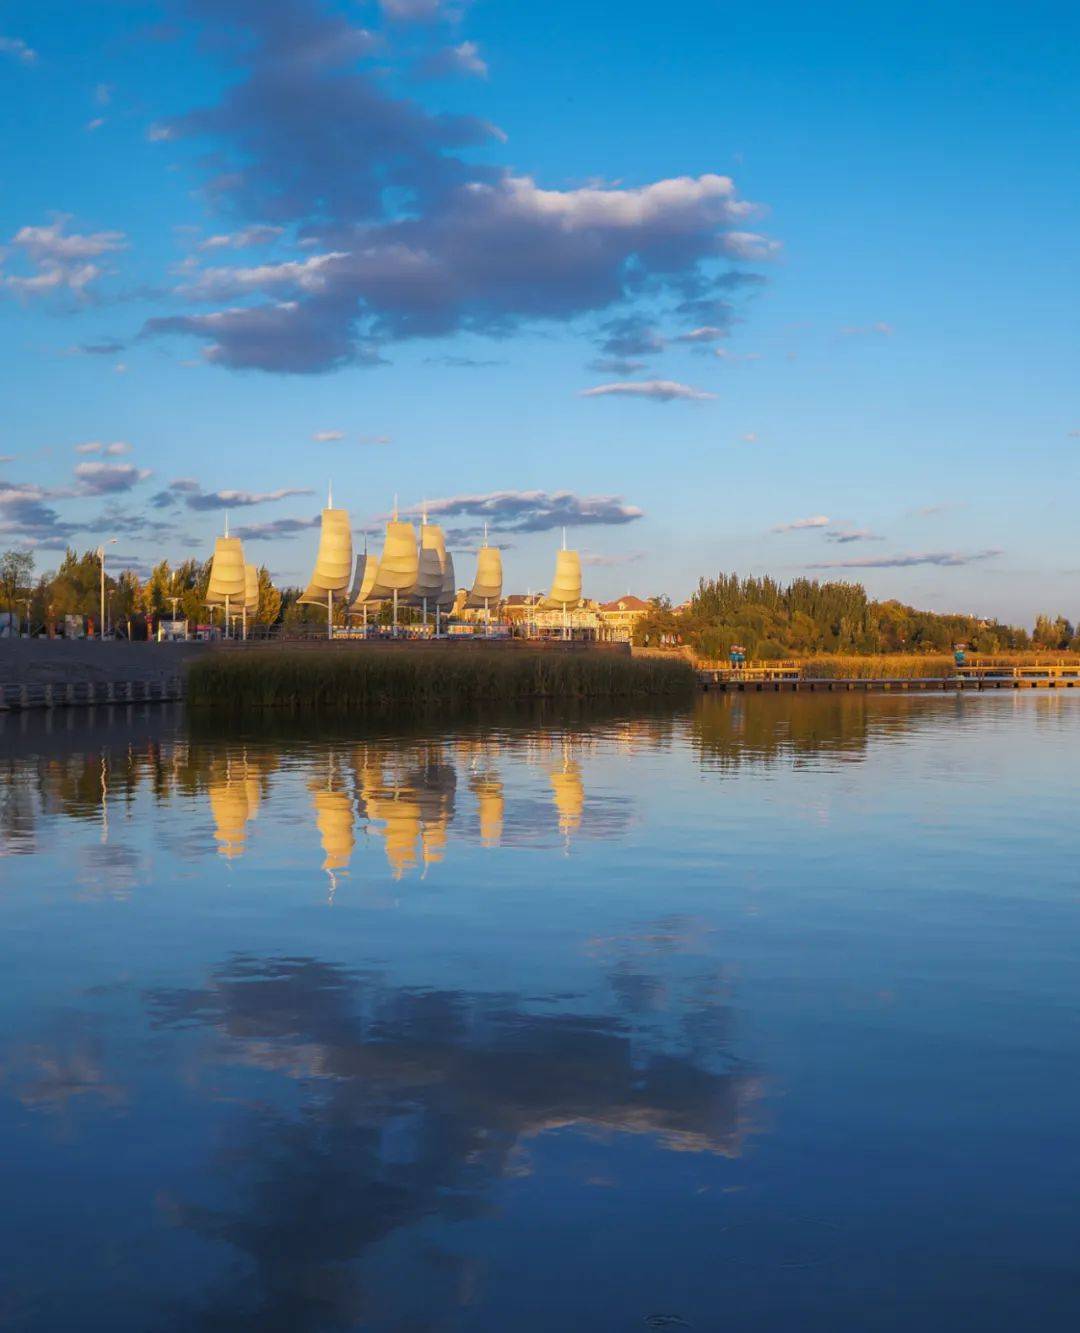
(101, 557)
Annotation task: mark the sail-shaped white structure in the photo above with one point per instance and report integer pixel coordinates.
(565, 592)
(367, 568)
(333, 562)
(429, 579)
(228, 579)
(399, 565)
(449, 584)
(487, 586)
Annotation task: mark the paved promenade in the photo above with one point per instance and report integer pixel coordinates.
(74, 661)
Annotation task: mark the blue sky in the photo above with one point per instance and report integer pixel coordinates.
(821, 261)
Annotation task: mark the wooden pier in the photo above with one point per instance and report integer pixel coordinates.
(786, 676)
(728, 682)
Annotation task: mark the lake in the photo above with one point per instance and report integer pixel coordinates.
(757, 1016)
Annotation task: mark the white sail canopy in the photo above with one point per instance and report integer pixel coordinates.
(333, 563)
(399, 564)
(367, 567)
(432, 558)
(227, 577)
(487, 586)
(566, 585)
(251, 589)
(449, 583)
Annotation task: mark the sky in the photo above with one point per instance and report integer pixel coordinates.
(787, 289)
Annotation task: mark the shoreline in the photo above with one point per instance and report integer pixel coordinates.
(45, 674)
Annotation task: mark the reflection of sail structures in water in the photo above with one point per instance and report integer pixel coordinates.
(488, 790)
(569, 794)
(234, 800)
(334, 819)
(414, 807)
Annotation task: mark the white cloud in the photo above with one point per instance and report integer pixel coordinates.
(946, 559)
(412, 11)
(663, 391)
(62, 258)
(305, 275)
(95, 124)
(326, 436)
(534, 511)
(750, 245)
(278, 529)
(106, 478)
(463, 60)
(845, 535)
(672, 204)
(878, 329)
(114, 450)
(596, 560)
(53, 243)
(800, 524)
(15, 46)
(260, 234)
(706, 334)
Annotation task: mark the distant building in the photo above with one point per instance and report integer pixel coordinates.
(618, 619)
(526, 615)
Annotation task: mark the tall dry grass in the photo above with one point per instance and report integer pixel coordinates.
(916, 666)
(332, 680)
(886, 666)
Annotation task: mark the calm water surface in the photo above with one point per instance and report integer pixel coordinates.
(760, 1017)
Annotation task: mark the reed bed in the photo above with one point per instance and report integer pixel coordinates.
(891, 666)
(313, 681)
(917, 666)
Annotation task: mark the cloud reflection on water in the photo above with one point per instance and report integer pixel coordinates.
(415, 1103)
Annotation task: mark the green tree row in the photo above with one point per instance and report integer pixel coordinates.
(770, 620)
(75, 589)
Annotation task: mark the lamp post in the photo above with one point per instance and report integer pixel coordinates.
(101, 556)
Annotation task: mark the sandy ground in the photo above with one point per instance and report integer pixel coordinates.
(39, 661)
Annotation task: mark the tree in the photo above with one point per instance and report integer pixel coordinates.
(269, 599)
(772, 620)
(16, 572)
(157, 590)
